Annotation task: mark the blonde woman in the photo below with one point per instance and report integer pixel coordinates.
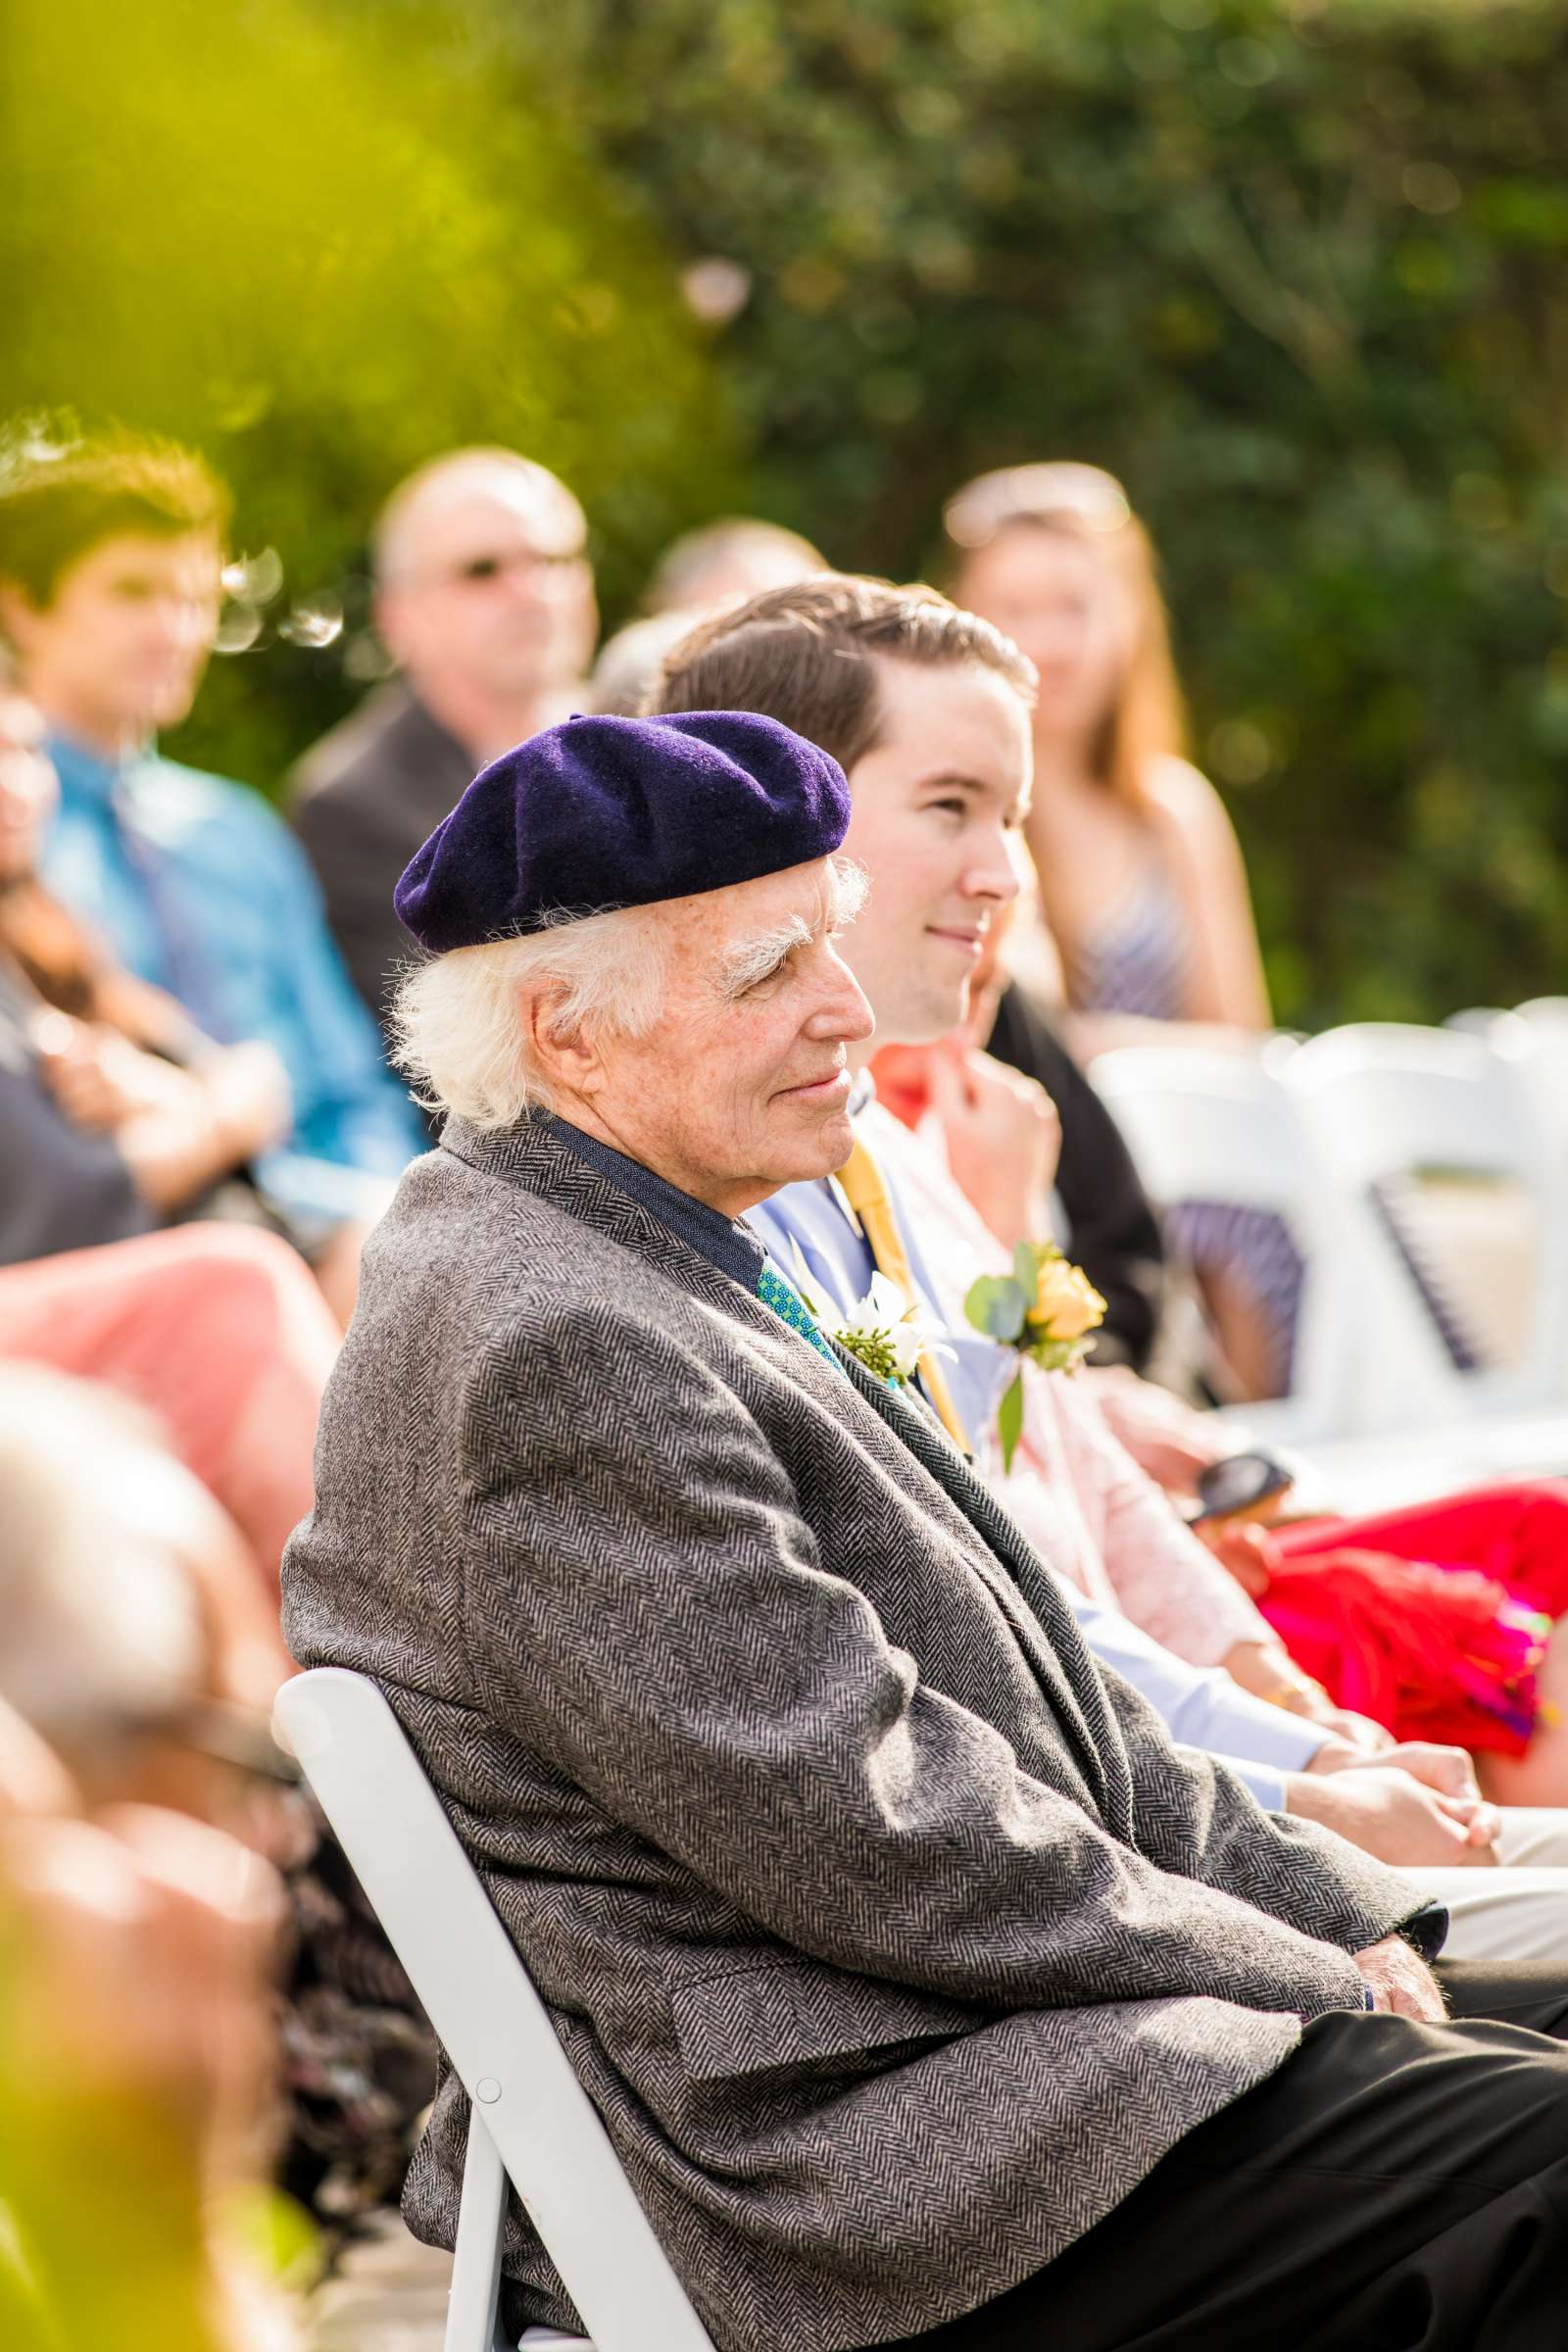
(1141, 878)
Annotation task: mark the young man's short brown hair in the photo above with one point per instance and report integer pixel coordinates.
(805, 656)
(61, 498)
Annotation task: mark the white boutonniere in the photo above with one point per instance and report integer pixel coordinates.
(886, 1331)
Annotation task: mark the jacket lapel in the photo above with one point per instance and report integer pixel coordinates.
(530, 1155)
(1085, 1718)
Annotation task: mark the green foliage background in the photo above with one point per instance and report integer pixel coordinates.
(1296, 271)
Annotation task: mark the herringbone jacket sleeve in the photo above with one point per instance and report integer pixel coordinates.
(647, 1600)
(1208, 1828)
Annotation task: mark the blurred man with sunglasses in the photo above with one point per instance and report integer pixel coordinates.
(484, 599)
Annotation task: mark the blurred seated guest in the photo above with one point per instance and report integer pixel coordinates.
(110, 561)
(119, 1114)
(484, 599)
(626, 673)
(722, 563)
(137, 2058)
(727, 561)
(1141, 883)
(165, 1700)
(1100, 1212)
(1141, 879)
(864, 1905)
(178, 1609)
(217, 1330)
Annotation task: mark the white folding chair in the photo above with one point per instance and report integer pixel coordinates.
(1211, 1125)
(1384, 1101)
(532, 2123)
(1533, 1041)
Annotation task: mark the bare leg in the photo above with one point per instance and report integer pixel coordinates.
(1540, 1777)
(1244, 1339)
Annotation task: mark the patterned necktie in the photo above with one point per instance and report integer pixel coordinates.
(791, 1308)
(867, 1195)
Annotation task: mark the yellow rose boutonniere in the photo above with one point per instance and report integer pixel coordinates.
(1047, 1309)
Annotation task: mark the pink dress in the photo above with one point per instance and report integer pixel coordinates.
(1075, 1489)
(220, 1331)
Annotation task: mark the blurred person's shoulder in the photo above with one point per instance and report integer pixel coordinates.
(389, 736)
(1181, 797)
(182, 807)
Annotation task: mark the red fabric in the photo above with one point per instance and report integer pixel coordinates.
(1429, 1619)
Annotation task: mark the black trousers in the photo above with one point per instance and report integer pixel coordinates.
(1394, 2187)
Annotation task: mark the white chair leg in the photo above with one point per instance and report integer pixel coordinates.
(474, 2299)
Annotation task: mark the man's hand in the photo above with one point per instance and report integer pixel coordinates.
(1395, 1818)
(1403, 1984)
(1003, 1138)
(1447, 1770)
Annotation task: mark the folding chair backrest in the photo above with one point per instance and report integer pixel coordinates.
(1534, 1039)
(1386, 1100)
(1211, 1125)
(531, 2115)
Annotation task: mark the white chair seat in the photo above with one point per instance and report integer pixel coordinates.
(550, 2339)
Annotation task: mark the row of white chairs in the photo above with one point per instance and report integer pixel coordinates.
(1317, 1132)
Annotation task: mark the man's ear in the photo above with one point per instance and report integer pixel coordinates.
(387, 619)
(17, 611)
(567, 1055)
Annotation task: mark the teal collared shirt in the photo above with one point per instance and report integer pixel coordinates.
(200, 888)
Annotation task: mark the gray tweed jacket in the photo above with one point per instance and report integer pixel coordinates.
(894, 1940)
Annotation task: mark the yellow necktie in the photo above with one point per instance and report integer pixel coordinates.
(867, 1195)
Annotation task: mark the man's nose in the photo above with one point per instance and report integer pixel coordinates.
(994, 874)
(843, 1012)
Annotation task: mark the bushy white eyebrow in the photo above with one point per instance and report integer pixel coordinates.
(755, 957)
(754, 960)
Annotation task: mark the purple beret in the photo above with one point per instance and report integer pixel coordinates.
(605, 813)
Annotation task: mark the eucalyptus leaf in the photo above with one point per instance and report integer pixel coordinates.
(997, 1305)
(1009, 1419)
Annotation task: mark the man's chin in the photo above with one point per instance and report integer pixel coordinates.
(942, 1008)
(826, 1152)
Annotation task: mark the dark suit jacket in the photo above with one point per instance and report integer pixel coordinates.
(362, 801)
(894, 1942)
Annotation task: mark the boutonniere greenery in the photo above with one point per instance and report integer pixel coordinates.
(1047, 1309)
(886, 1331)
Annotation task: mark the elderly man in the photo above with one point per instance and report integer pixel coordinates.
(927, 1992)
(484, 599)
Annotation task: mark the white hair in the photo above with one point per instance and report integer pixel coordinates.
(458, 1019)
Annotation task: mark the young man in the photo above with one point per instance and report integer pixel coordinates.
(926, 707)
(484, 598)
(111, 563)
